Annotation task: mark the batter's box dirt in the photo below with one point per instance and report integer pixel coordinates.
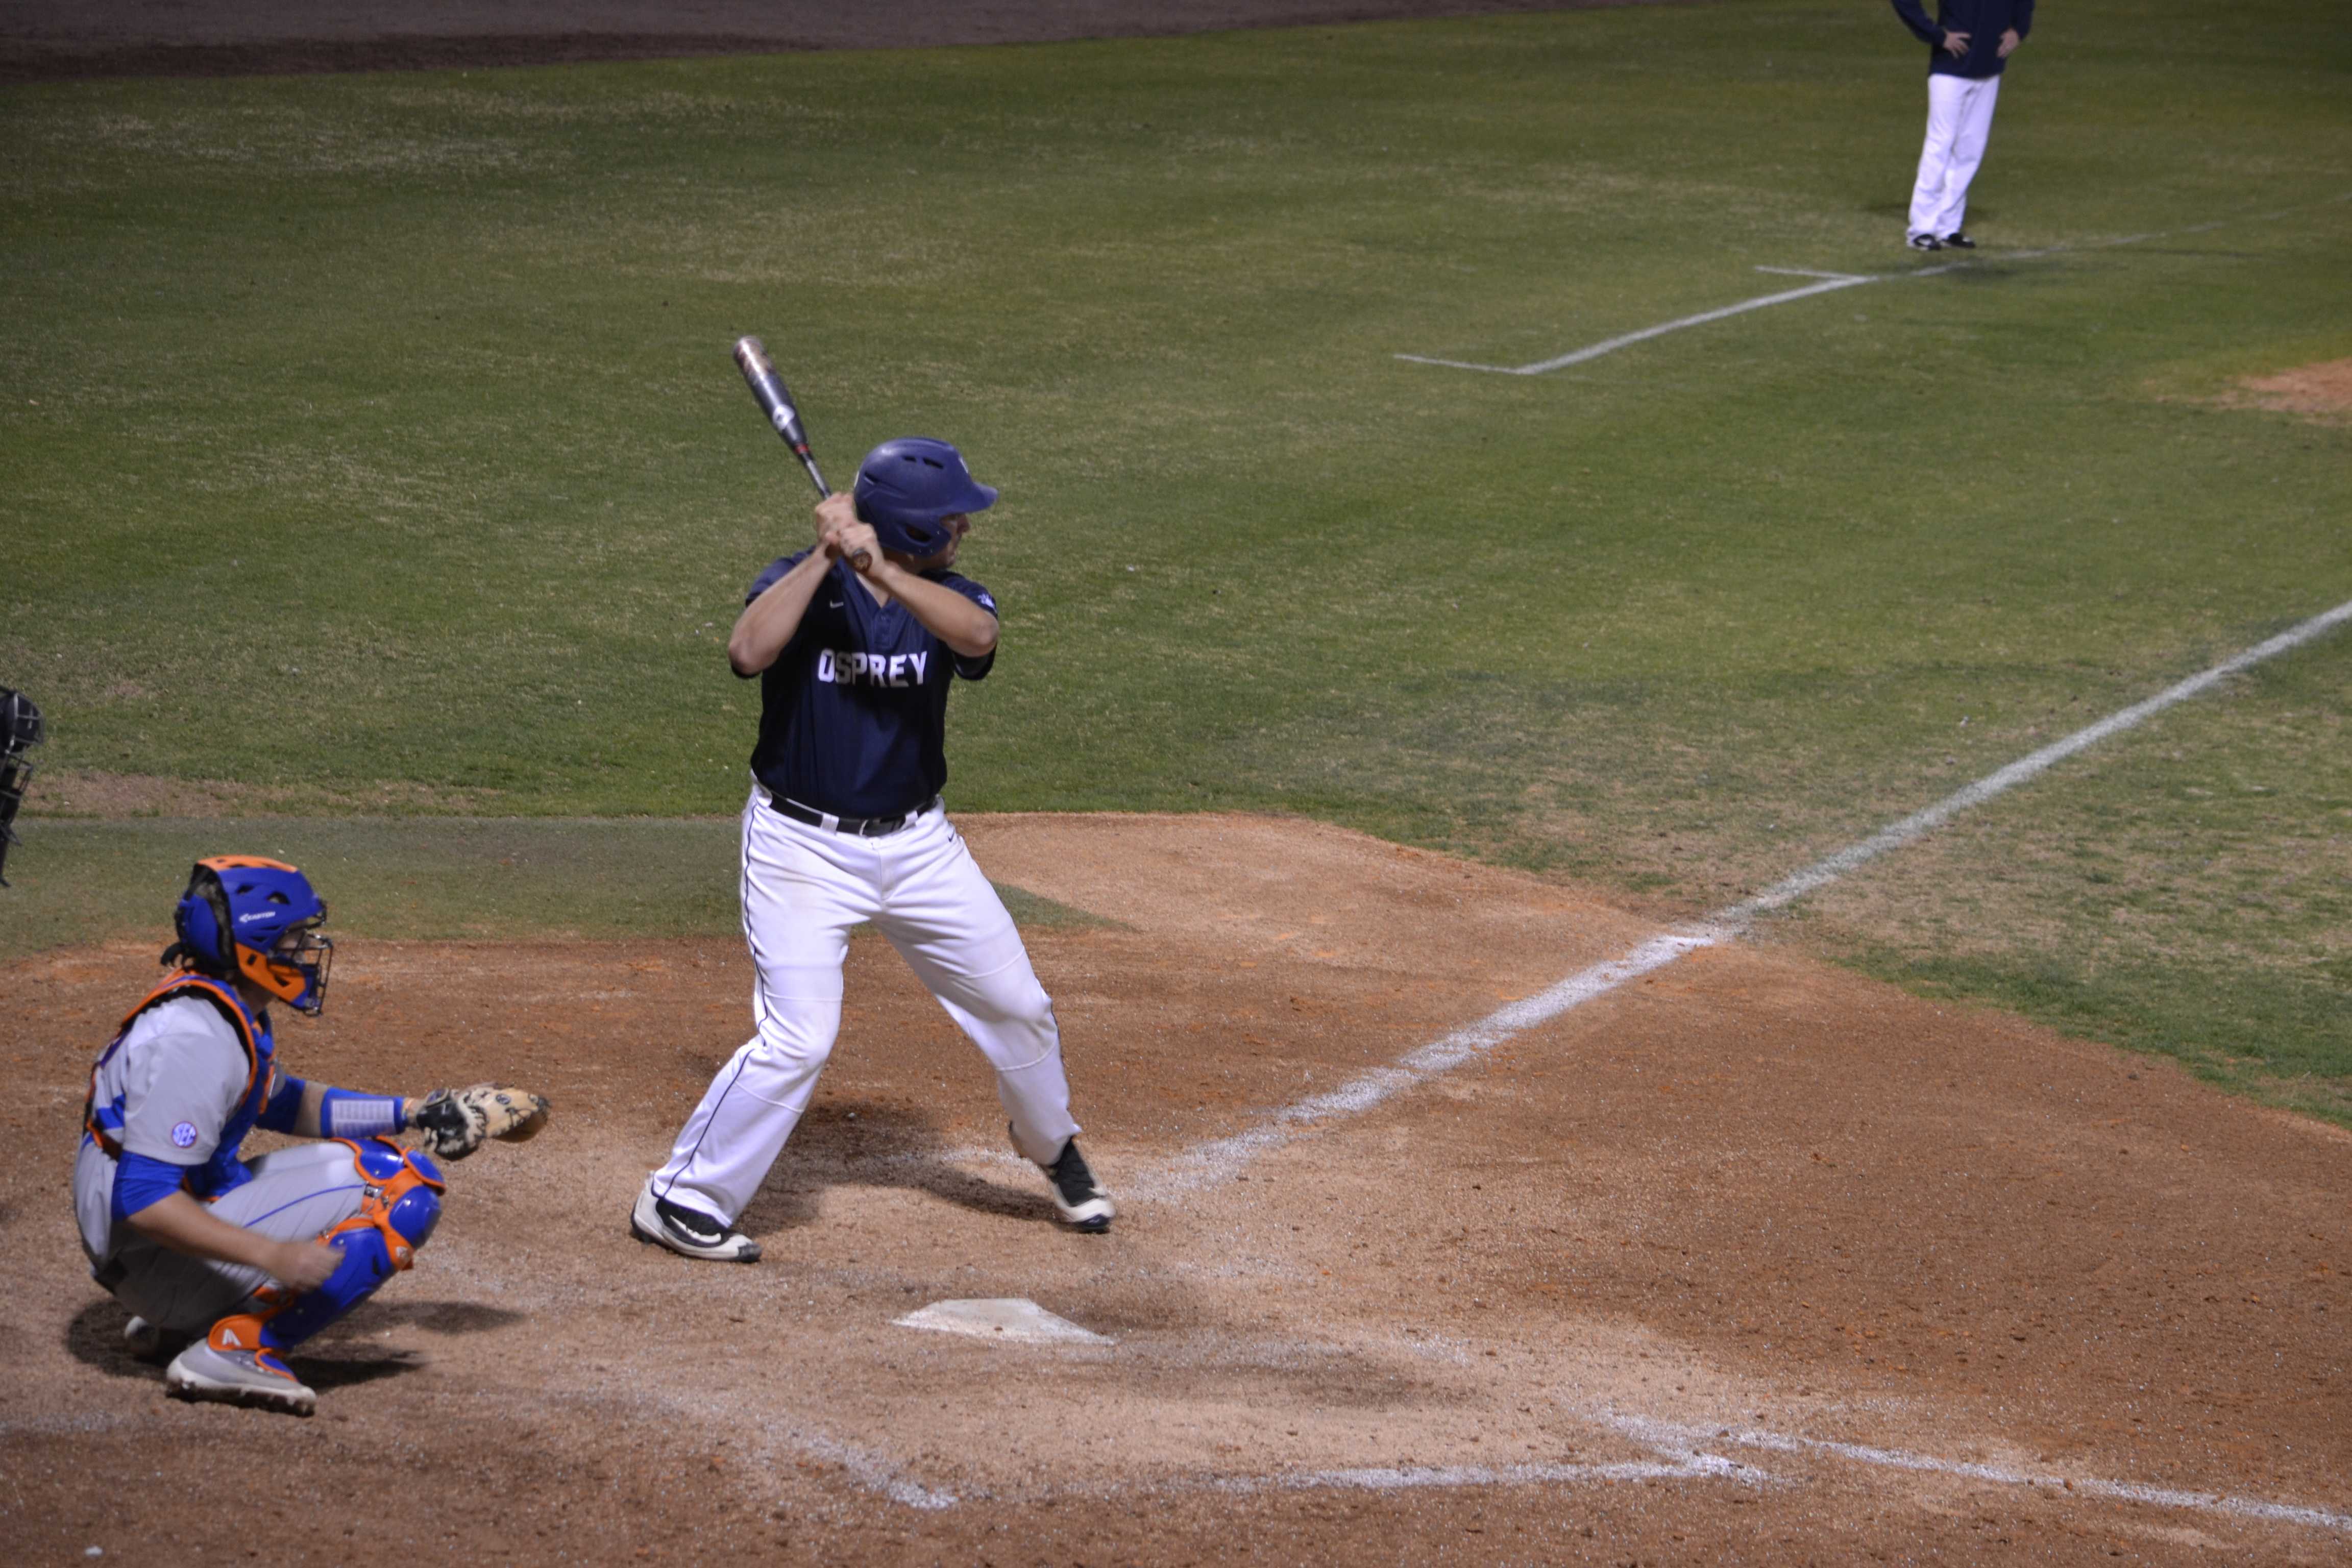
(1752, 1260)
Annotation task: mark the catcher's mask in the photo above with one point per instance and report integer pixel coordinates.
(907, 488)
(246, 917)
(20, 731)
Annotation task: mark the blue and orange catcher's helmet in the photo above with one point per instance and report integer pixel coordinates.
(246, 917)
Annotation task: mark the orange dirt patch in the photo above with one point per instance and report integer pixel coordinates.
(1535, 1309)
(2322, 391)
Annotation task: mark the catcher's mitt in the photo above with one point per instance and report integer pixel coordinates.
(454, 1121)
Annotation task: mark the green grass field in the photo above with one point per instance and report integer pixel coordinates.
(373, 439)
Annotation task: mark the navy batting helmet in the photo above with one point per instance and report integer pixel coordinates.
(906, 488)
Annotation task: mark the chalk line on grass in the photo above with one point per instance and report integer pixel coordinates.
(1613, 344)
(1829, 867)
(1831, 281)
(1220, 1160)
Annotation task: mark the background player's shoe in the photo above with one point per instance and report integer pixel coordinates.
(1077, 1196)
(1926, 242)
(1958, 240)
(148, 1342)
(687, 1233)
(238, 1377)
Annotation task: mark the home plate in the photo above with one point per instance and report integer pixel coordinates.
(1002, 1318)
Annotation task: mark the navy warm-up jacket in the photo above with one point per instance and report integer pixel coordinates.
(1984, 21)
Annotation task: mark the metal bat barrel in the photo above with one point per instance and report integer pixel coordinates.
(775, 401)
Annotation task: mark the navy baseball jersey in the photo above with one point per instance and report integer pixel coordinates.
(1984, 21)
(853, 714)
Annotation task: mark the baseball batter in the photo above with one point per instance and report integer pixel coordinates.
(251, 1259)
(855, 642)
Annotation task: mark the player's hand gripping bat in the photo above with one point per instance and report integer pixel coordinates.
(775, 400)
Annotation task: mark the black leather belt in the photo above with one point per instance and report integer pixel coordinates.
(858, 826)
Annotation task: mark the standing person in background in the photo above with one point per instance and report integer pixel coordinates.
(1971, 41)
(20, 730)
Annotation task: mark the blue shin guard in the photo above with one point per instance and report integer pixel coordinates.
(400, 1206)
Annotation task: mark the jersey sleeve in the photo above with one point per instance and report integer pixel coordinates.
(182, 1089)
(973, 668)
(1915, 16)
(776, 569)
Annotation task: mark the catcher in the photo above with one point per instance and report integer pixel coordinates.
(255, 1257)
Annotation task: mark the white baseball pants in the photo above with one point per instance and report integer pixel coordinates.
(1960, 120)
(803, 887)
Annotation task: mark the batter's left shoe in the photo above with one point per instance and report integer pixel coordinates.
(688, 1232)
(1958, 240)
(1078, 1198)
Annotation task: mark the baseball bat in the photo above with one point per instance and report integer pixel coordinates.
(775, 401)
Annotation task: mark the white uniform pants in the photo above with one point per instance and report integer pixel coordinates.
(296, 1194)
(1959, 120)
(804, 888)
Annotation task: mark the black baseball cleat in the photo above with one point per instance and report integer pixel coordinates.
(1958, 240)
(148, 1342)
(1078, 1198)
(1926, 242)
(687, 1233)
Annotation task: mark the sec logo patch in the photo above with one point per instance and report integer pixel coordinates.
(184, 1134)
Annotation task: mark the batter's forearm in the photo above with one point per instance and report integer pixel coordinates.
(946, 614)
(768, 622)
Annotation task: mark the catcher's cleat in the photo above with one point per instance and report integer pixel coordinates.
(1926, 242)
(254, 1377)
(687, 1233)
(1958, 240)
(1077, 1196)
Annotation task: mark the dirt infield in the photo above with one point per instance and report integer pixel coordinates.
(1750, 1262)
(2320, 392)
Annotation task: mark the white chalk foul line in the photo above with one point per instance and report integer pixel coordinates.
(1613, 344)
(1686, 1456)
(1219, 1161)
(1683, 1440)
(1832, 281)
(1407, 1477)
(772, 1434)
(1829, 867)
